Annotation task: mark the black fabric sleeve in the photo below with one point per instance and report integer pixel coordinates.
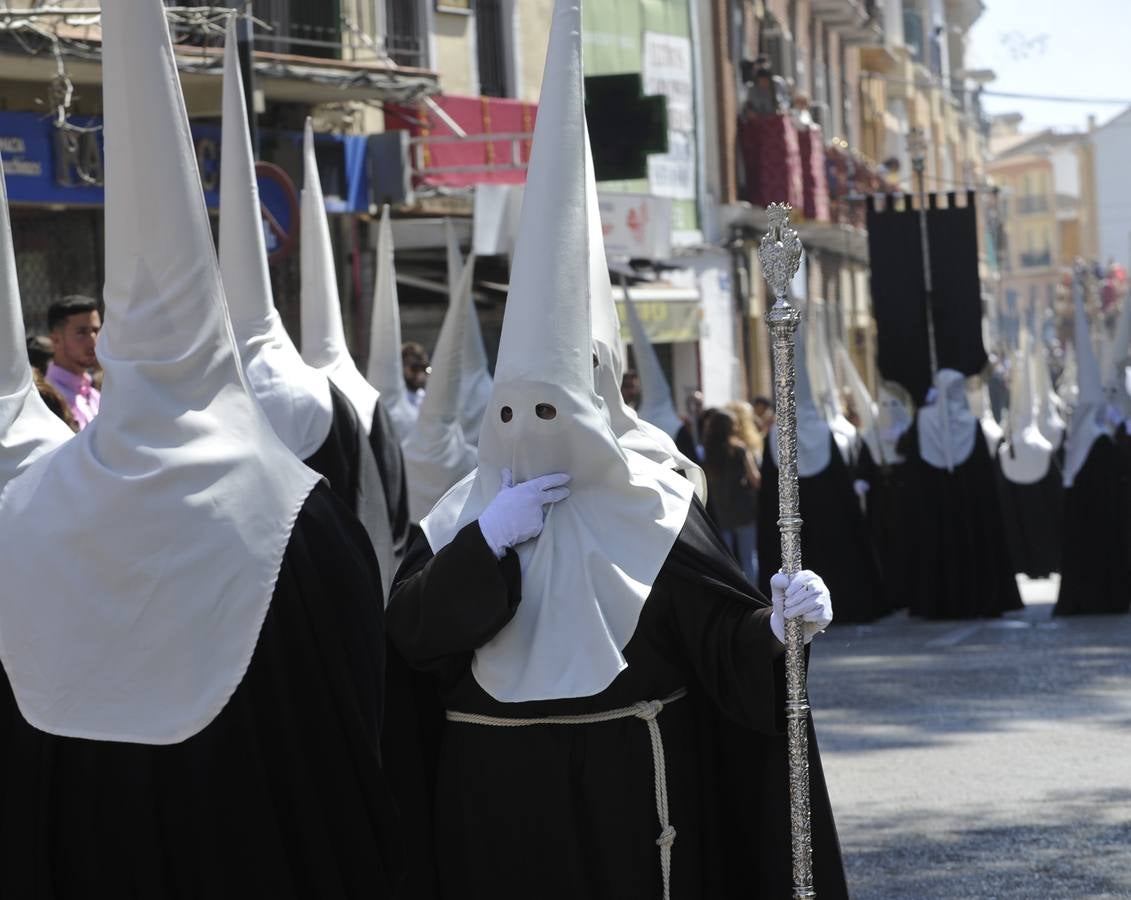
(444, 607)
(723, 626)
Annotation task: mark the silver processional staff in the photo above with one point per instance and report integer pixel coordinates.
(780, 256)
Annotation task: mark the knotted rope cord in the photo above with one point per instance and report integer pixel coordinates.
(647, 711)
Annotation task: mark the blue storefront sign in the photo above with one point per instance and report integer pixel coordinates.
(44, 165)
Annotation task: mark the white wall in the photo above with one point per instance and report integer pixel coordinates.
(718, 343)
(1066, 170)
(1113, 188)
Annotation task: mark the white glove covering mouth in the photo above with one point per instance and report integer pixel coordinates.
(803, 596)
(517, 514)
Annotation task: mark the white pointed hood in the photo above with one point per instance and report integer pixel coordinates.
(28, 429)
(866, 408)
(825, 389)
(894, 417)
(475, 379)
(295, 397)
(187, 496)
(1068, 387)
(633, 432)
(323, 337)
(586, 577)
(436, 453)
(1115, 362)
(1049, 405)
(978, 397)
(385, 371)
(947, 428)
(656, 404)
(1026, 456)
(814, 448)
(1088, 421)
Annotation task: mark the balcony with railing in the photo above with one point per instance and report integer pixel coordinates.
(1036, 259)
(1031, 204)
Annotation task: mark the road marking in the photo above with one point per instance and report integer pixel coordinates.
(956, 636)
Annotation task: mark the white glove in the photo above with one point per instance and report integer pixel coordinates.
(516, 514)
(861, 487)
(805, 596)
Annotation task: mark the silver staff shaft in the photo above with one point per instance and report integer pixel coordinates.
(780, 255)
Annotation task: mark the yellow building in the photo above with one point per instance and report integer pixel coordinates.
(1047, 211)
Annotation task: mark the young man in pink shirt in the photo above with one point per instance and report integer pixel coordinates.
(74, 324)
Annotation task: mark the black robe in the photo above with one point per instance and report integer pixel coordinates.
(1033, 515)
(282, 795)
(834, 538)
(890, 516)
(1095, 573)
(569, 811)
(390, 463)
(965, 570)
(336, 459)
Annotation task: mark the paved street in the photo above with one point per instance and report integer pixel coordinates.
(980, 759)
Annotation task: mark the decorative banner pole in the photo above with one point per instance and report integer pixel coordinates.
(917, 147)
(780, 255)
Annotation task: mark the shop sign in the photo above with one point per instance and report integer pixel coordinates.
(636, 226)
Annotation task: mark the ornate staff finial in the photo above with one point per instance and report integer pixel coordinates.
(780, 252)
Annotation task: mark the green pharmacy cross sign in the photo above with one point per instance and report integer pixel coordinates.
(625, 127)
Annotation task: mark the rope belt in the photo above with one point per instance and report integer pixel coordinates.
(645, 710)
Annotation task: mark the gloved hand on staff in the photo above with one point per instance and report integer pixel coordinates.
(803, 596)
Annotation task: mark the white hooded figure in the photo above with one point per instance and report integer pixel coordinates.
(866, 409)
(894, 417)
(1114, 363)
(562, 548)
(1049, 405)
(826, 390)
(475, 378)
(295, 397)
(385, 370)
(586, 577)
(1026, 454)
(947, 427)
(1089, 421)
(656, 406)
(188, 497)
(436, 452)
(1095, 569)
(28, 429)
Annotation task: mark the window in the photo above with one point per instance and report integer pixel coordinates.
(404, 40)
(491, 36)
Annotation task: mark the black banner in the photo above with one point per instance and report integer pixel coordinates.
(898, 293)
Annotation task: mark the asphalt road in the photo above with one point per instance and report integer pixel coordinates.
(980, 759)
